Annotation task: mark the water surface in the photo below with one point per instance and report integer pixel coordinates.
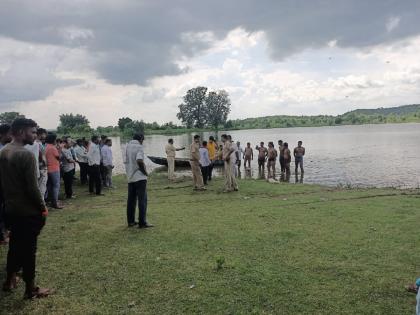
(367, 155)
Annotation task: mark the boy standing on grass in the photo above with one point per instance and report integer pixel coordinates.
(204, 162)
(25, 207)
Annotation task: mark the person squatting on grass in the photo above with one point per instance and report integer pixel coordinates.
(137, 181)
(25, 207)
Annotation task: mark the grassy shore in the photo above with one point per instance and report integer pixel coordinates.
(268, 249)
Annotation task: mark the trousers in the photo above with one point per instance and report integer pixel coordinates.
(24, 233)
(137, 194)
(95, 179)
(171, 167)
(197, 176)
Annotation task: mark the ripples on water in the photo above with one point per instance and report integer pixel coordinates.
(364, 156)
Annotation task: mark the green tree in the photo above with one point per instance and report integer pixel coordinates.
(217, 108)
(192, 112)
(123, 121)
(8, 117)
(70, 123)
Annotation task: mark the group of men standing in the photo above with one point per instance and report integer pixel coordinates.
(204, 155)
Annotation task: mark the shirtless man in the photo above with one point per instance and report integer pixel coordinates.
(299, 152)
(262, 156)
(287, 159)
(248, 155)
(281, 159)
(271, 161)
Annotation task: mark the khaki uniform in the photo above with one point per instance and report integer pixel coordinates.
(195, 166)
(170, 157)
(230, 180)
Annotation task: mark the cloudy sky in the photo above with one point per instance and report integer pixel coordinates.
(112, 58)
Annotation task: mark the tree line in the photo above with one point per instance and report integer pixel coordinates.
(209, 110)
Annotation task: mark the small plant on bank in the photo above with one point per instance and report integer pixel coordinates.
(220, 263)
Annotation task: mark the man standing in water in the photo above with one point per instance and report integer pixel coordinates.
(271, 161)
(228, 150)
(299, 152)
(195, 164)
(137, 181)
(287, 160)
(281, 159)
(170, 158)
(248, 155)
(262, 156)
(25, 207)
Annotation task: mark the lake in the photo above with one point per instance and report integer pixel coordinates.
(365, 156)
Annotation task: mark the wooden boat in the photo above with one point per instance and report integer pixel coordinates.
(179, 162)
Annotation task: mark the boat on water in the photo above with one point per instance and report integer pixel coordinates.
(179, 162)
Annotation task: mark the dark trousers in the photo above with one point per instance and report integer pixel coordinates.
(95, 179)
(137, 194)
(210, 170)
(2, 220)
(68, 183)
(282, 164)
(84, 167)
(24, 233)
(205, 173)
(102, 170)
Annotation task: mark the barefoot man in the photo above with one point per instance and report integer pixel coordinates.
(262, 156)
(25, 207)
(271, 161)
(230, 180)
(299, 152)
(248, 155)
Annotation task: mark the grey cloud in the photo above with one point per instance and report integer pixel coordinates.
(130, 42)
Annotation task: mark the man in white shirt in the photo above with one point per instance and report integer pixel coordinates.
(137, 181)
(81, 157)
(234, 157)
(68, 167)
(107, 162)
(94, 161)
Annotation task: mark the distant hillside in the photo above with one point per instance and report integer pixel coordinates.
(399, 110)
(400, 114)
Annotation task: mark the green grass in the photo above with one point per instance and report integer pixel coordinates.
(269, 249)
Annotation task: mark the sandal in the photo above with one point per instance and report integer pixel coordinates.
(37, 293)
(412, 288)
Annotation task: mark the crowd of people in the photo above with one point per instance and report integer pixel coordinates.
(33, 162)
(205, 154)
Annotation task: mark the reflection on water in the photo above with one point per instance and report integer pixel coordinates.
(368, 155)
